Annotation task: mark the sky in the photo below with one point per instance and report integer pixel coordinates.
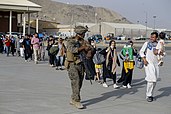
(135, 10)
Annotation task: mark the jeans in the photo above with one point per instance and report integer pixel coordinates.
(59, 60)
(7, 48)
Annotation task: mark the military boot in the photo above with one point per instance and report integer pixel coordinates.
(78, 105)
(71, 102)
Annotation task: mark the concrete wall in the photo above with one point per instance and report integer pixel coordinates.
(105, 29)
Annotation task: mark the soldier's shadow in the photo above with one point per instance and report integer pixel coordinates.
(166, 91)
(119, 93)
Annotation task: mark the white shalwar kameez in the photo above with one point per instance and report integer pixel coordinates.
(152, 69)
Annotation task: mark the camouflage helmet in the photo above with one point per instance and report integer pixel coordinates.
(80, 29)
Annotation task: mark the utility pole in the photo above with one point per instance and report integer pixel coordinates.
(146, 15)
(154, 17)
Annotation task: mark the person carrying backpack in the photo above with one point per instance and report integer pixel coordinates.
(98, 60)
(60, 55)
(52, 53)
(127, 55)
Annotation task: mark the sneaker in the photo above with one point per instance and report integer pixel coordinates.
(115, 86)
(57, 68)
(52, 65)
(26, 60)
(129, 86)
(36, 62)
(124, 86)
(105, 85)
(160, 63)
(150, 99)
(61, 69)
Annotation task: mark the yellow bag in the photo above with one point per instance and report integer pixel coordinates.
(128, 65)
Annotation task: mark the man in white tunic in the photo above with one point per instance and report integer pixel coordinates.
(149, 54)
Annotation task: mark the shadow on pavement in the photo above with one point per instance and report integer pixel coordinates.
(118, 93)
(166, 91)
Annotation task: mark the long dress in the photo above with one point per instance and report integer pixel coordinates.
(107, 70)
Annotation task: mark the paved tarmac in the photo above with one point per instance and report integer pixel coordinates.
(26, 88)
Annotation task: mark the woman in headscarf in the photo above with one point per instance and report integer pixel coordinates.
(110, 65)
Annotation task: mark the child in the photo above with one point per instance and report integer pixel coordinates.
(98, 59)
(161, 48)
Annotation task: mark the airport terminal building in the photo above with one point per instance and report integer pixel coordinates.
(11, 10)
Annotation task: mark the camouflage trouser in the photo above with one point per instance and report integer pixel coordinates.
(76, 75)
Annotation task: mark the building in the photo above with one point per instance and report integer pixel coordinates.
(9, 11)
(129, 30)
(48, 27)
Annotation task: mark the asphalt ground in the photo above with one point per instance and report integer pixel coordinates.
(27, 88)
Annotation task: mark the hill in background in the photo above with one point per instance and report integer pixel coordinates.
(69, 13)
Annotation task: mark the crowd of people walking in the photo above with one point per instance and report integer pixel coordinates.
(82, 57)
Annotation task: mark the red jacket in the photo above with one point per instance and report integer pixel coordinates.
(8, 42)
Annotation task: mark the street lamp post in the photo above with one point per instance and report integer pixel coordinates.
(71, 23)
(154, 17)
(146, 15)
(100, 26)
(95, 19)
(146, 28)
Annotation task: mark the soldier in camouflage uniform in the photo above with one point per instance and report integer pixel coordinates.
(74, 64)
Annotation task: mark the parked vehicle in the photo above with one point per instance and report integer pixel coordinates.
(97, 38)
(109, 36)
(121, 37)
(14, 34)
